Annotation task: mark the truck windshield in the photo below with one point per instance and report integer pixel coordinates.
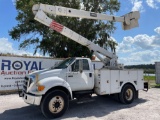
(64, 64)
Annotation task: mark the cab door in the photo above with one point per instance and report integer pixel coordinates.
(80, 76)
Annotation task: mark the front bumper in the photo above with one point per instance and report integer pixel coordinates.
(31, 99)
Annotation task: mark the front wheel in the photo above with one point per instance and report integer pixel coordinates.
(127, 94)
(54, 104)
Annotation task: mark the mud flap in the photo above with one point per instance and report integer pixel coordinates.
(136, 94)
(146, 87)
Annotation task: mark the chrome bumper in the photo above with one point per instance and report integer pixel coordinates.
(31, 99)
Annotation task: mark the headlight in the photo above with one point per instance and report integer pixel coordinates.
(31, 79)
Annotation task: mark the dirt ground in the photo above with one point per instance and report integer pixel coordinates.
(147, 107)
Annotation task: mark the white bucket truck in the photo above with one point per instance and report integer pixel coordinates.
(52, 88)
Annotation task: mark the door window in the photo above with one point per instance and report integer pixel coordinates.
(78, 64)
(75, 66)
(85, 64)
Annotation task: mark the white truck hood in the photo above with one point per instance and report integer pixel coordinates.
(46, 73)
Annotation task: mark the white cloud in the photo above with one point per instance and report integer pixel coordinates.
(140, 49)
(7, 47)
(141, 57)
(157, 30)
(14, 2)
(144, 41)
(137, 5)
(126, 45)
(153, 3)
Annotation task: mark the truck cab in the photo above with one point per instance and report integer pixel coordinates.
(74, 74)
(80, 74)
(71, 77)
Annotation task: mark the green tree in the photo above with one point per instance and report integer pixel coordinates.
(112, 44)
(106, 42)
(32, 33)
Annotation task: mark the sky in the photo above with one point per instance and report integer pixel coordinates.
(140, 45)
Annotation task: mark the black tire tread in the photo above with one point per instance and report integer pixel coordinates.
(47, 98)
(121, 95)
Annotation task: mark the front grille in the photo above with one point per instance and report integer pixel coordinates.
(25, 84)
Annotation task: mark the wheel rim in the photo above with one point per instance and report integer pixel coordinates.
(56, 104)
(129, 94)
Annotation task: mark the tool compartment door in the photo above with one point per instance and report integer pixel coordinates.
(115, 81)
(105, 82)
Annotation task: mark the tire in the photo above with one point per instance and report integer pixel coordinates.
(54, 104)
(127, 94)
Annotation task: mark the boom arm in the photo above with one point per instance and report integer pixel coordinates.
(129, 21)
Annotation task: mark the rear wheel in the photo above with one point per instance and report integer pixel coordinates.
(127, 94)
(54, 104)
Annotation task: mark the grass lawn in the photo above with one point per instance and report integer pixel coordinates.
(152, 81)
(149, 78)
